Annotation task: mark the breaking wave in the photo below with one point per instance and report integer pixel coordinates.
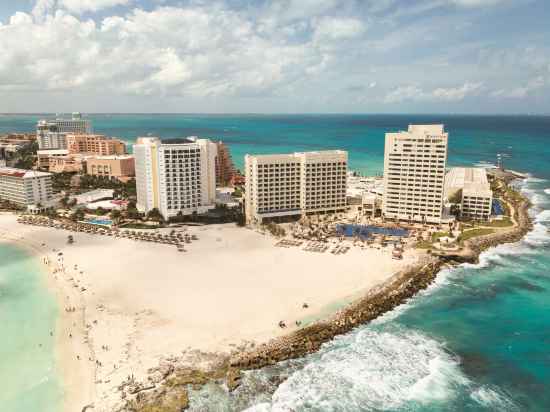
(390, 369)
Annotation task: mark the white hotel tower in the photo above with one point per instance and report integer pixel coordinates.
(295, 184)
(414, 173)
(175, 175)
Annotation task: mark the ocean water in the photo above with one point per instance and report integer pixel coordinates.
(477, 340)
(28, 376)
(473, 138)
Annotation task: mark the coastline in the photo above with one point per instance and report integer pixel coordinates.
(174, 317)
(381, 299)
(76, 377)
(166, 380)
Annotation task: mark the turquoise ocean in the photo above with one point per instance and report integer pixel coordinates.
(477, 340)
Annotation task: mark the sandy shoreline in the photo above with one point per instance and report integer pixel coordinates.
(78, 377)
(145, 302)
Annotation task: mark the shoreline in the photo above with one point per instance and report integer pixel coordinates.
(185, 323)
(68, 367)
(166, 383)
(388, 296)
(379, 300)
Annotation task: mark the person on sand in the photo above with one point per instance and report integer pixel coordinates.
(305, 306)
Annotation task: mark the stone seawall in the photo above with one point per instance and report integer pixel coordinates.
(386, 297)
(394, 292)
(171, 394)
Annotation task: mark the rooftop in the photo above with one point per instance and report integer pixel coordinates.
(471, 179)
(113, 157)
(11, 171)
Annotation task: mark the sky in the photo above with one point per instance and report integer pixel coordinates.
(268, 56)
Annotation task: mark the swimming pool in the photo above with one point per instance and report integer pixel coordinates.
(367, 231)
(103, 222)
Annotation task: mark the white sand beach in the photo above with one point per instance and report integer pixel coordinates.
(138, 302)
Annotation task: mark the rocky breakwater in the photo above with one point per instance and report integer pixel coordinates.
(309, 339)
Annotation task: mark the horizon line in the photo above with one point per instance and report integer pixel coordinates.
(282, 114)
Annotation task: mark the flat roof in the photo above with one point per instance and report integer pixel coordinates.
(11, 171)
(112, 157)
(469, 179)
(177, 140)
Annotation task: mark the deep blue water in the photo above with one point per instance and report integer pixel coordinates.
(477, 340)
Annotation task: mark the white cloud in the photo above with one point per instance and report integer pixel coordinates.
(522, 91)
(42, 8)
(476, 3)
(457, 93)
(416, 93)
(402, 93)
(81, 6)
(330, 28)
(186, 51)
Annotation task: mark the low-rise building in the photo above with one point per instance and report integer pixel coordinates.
(43, 157)
(112, 167)
(93, 196)
(294, 184)
(25, 187)
(70, 163)
(95, 144)
(469, 187)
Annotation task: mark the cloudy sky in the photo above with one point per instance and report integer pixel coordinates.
(434, 56)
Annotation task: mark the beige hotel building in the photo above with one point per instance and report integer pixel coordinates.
(414, 173)
(295, 184)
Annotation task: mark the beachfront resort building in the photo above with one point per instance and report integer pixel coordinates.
(469, 187)
(226, 173)
(52, 134)
(96, 144)
(175, 176)
(414, 173)
(295, 184)
(111, 167)
(25, 187)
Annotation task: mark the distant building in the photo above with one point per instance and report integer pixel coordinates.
(95, 144)
(414, 172)
(43, 157)
(294, 184)
(470, 187)
(113, 167)
(225, 169)
(93, 196)
(25, 187)
(70, 163)
(175, 176)
(52, 134)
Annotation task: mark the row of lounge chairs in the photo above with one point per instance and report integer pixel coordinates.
(176, 239)
(316, 247)
(339, 250)
(289, 243)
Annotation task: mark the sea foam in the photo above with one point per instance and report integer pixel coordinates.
(372, 369)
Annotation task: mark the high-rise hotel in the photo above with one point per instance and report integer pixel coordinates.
(414, 173)
(295, 184)
(52, 134)
(175, 176)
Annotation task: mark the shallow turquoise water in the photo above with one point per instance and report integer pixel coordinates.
(477, 340)
(28, 378)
